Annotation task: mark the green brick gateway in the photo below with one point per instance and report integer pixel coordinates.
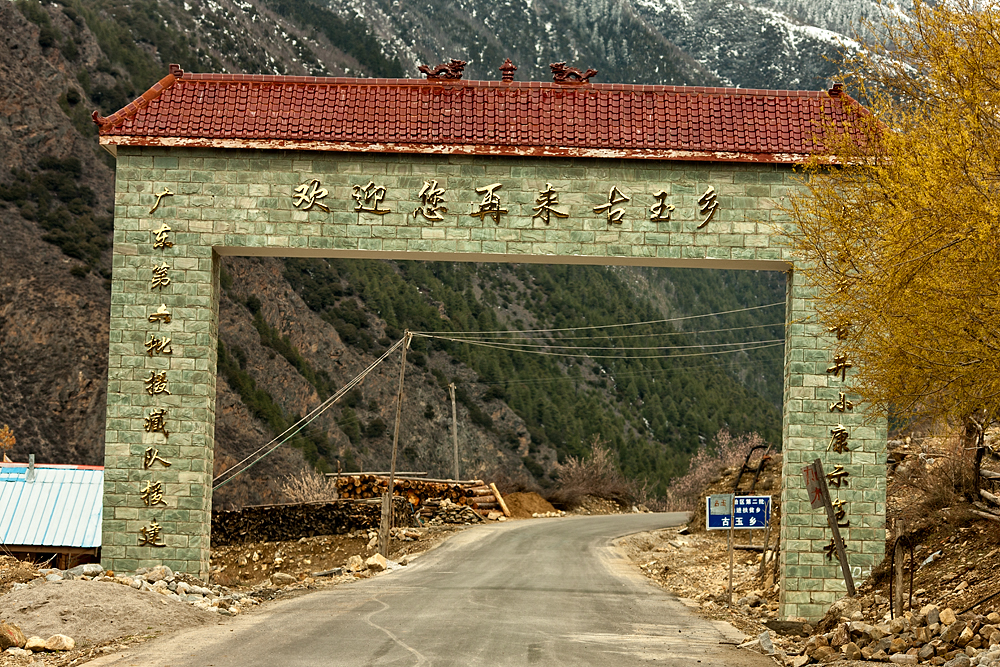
(444, 169)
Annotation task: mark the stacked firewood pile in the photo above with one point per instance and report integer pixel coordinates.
(437, 511)
(418, 490)
(263, 523)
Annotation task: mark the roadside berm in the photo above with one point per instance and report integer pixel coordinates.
(948, 616)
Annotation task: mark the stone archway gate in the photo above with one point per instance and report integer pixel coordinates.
(210, 165)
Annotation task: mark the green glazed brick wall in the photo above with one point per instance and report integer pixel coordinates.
(810, 581)
(241, 202)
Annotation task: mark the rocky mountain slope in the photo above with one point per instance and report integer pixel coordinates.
(285, 341)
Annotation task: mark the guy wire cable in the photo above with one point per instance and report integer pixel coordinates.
(292, 430)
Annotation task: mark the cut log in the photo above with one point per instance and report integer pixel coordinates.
(989, 496)
(989, 474)
(503, 505)
(986, 515)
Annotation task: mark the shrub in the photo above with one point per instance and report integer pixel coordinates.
(942, 478)
(597, 475)
(309, 487)
(685, 493)
(376, 428)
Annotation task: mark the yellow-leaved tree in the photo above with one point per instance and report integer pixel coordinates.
(902, 237)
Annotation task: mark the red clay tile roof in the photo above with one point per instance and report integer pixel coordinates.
(476, 117)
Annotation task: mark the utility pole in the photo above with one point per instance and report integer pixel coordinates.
(454, 427)
(386, 524)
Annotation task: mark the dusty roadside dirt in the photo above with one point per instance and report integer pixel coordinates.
(106, 617)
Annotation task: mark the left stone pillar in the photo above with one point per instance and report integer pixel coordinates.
(161, 368)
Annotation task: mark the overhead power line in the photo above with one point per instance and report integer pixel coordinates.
(605, 326)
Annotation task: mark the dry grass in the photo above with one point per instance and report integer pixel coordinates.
(597, 475)
(309, 487)
(685, 494)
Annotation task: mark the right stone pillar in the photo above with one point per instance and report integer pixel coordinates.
(822, 420)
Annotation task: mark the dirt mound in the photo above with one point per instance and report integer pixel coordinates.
(13, 571)
(525, 503)
(92, 612)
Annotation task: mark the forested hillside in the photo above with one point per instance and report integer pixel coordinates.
(294, 331)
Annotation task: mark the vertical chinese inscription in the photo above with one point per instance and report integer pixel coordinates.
(160, 279)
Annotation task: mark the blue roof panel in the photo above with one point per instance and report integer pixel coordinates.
(62, 506)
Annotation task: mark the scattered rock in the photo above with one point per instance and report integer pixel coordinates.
(35, 643)
(953, 632)
(932, 613)
(10, 636)
(282, 579)
(158, 573)
(87, 570)
(377, 563)
(948, 616)
(765, 643)
(960, 660)
(787, 627)
(355, 564)
(851, 651)
(59, 643)
(18, 652)
(903, 659)
(823, 652)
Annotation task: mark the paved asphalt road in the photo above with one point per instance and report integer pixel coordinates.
(543, 592)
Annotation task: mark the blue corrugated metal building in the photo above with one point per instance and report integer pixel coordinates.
(51, 509)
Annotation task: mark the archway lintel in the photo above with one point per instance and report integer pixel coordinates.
(505, 258)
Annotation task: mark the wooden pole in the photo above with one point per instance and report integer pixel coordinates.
(454, 427)
(831, 518)
(763, 554)
(732, 516)
(897, 593)
(386, 524)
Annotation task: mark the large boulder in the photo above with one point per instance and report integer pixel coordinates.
(10, 635)
(355, 564)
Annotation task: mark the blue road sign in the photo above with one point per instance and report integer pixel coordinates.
(749, 513)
